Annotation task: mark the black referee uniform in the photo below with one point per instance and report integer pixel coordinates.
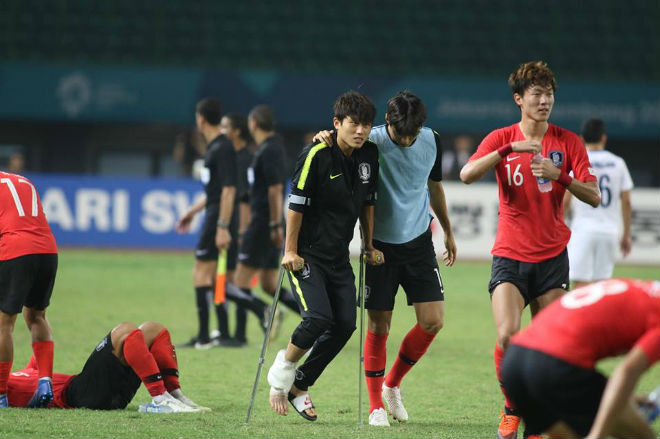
(268, 168)
(330, 189)
(219, 171)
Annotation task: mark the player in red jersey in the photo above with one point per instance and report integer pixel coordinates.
(125, 357)
(549, 371)
(28, 264)
(530, 263)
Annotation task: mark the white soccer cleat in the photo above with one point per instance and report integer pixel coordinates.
(392, 396)
(166, 403)
(378, 418)
(178, 394)
(282, 373)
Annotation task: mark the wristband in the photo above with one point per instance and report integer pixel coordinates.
(223, 224)
(505, 150)
(564, 179)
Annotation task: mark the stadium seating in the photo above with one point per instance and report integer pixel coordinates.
(619, 40)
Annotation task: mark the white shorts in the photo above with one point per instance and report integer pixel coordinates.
(591, 256)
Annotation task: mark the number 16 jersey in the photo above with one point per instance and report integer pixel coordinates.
(24, 229)
(530, 226)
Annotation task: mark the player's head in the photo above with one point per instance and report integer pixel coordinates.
(533, 85)
(406, 114)
(354, 117)
(593, 131)
(208, 112)
(261, 118)
(234, 126)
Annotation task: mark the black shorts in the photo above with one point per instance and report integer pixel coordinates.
(104, 383)
(257, 250)
(533, 279)
(206, 249)
(325, 291)
(413, 266)
(27, 281)
(546, 389)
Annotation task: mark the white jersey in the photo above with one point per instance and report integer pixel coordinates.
(613, 178)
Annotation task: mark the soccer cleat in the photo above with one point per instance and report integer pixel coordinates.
(508, 428)
(4, 402)
(282, 373)
(229, 343)
(178, 394)
(378, 418)
(202, 345)
(189, 344)
(392, 396)
(43, 395)
(166, 403)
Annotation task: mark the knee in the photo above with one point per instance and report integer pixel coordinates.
(33, 316)
(308, 331)
(150, 330)
(432, 326)
(121, 331)
(378, 323)
(503, 338)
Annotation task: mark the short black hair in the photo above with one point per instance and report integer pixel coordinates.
(593, 130)
(406, 113)
(355, 105)
(210, 109)
(239, 122)
(264, 116)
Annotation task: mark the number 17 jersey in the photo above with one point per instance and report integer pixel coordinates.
(24, 229)
(530, 226)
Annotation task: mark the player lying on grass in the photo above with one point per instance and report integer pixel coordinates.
(125, 357)
(548, 370)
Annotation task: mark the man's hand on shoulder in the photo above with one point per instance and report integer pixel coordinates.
(324, 136)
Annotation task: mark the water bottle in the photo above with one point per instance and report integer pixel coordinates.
(651, 407)
(545, 185)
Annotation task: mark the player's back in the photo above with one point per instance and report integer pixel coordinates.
(613, 178)
(23, 225)
(600, 320)
(22, 383)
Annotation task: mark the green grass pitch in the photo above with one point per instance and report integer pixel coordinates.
(451, 393)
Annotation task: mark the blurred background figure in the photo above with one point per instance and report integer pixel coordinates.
(188, 152)
(16, 163)
(454, 159)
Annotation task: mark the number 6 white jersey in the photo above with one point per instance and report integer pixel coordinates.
(613, 178)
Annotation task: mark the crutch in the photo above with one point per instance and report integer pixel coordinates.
(262, 355)
(361, 353)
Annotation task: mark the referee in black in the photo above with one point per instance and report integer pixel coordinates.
(263, 239)
(219, 178)
(331, 187)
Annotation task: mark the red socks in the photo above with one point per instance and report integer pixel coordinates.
(43, 354)
(498, 355)
(375, 356)
(165, 356)
(414, 345)
(5, 368)
(142, 362)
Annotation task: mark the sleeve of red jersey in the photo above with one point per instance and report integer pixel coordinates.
(650, 344)
(490, 143)
(580, 164)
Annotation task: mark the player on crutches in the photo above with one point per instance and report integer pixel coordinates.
(332, 187)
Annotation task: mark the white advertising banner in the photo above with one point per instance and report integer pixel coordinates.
(473, 213)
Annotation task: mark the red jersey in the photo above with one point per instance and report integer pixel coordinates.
(601, 320)
(23, 383)
(530, 224)
(24, 229)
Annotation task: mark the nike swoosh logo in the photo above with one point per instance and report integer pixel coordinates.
(508, 159)
(332, 177)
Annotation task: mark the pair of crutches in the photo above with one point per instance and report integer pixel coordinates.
(264, 345)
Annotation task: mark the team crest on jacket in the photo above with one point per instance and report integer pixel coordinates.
(364, 171)
(557, 158)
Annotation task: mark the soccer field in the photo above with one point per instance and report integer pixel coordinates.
(452, 392)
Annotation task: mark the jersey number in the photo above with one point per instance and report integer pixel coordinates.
(17, 201)
(592, 293)
(605, 192)
(517, 175)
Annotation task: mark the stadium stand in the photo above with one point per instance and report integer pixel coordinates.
(300, 35)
